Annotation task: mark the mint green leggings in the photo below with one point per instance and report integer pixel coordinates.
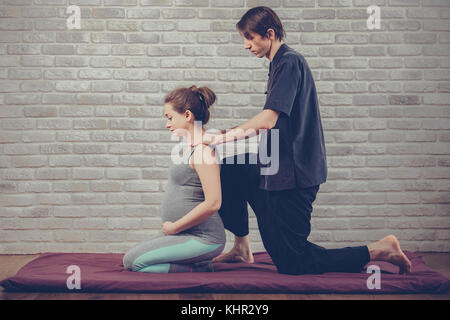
(174, 253)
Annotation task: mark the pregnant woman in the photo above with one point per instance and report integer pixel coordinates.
(192, 231)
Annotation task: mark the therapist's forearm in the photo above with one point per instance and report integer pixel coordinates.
(238, 133)
(246, 130)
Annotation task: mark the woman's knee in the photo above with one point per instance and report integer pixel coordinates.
(129, 263)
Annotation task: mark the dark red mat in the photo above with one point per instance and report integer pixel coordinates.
(104, 273)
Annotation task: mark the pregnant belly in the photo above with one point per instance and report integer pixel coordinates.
(174, 209)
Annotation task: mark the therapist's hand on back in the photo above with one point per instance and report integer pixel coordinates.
(213, 139)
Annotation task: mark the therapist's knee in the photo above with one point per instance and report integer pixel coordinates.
(288, 269)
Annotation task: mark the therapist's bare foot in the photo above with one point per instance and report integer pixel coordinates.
(388, 249)
(240, 252)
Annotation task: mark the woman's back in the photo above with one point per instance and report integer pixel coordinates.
(183, 193)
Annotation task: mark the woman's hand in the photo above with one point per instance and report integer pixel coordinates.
(169, 228)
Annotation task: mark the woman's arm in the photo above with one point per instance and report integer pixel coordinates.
(207, 167)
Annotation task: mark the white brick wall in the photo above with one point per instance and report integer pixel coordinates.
(83, 149)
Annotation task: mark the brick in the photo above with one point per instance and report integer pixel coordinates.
(87, 174)
(29, 161)
(24, 74)
(58, 99)
(60, 74)
(351, 87)
(178, 13)
(121, 223)
(384, 63)
(70, 236)
(62, 61)
(193, 25)
(231, 51)
(125, 149)
(100, 161)
(214, 14)
(351, 63)
(106, 13)
(77, 37)
(37, 37)
(337, 75)
(357, 236)
(441, 99)
(79, 198)
(370, 51)
(331, 224)
(162, 3)
(125, 26)
(335, 51)
(352, 39)
(107, 38)
(365, 223)
(90, 224)
(108, 186)
(70, 187)
(92, 50)
(9, 12)
(404, 100)
(365, 100)
(437, 75)
(386, 38)
(143, 13)
(141, 62)
(15, 25)
(405, 25)
(6, 61)
(335, 26)
(72, 86)
(179, 37)
(23, 49)
(216, 37)
(368, 173)
(404, 50)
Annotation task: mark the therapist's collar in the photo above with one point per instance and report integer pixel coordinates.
(279, 53)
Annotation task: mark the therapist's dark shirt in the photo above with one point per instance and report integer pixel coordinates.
(302, 155)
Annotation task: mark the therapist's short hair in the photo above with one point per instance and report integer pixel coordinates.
(259, 20)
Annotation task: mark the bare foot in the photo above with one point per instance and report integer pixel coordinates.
(388, 249)
(240, 252)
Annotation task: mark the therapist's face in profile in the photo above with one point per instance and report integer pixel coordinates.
(259, 46)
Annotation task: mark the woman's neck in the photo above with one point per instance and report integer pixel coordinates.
(195, 136)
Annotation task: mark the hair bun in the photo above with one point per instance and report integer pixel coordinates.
(196, 100)
(208, 95)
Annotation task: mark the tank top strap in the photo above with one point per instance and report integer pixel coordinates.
(190, 154)
(193, 149)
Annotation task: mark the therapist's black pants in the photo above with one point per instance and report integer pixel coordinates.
(284, 223)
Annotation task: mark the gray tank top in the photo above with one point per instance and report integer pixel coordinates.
(183, 193)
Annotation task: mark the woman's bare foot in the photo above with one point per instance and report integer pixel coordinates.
(240, 252)
(388, 249)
